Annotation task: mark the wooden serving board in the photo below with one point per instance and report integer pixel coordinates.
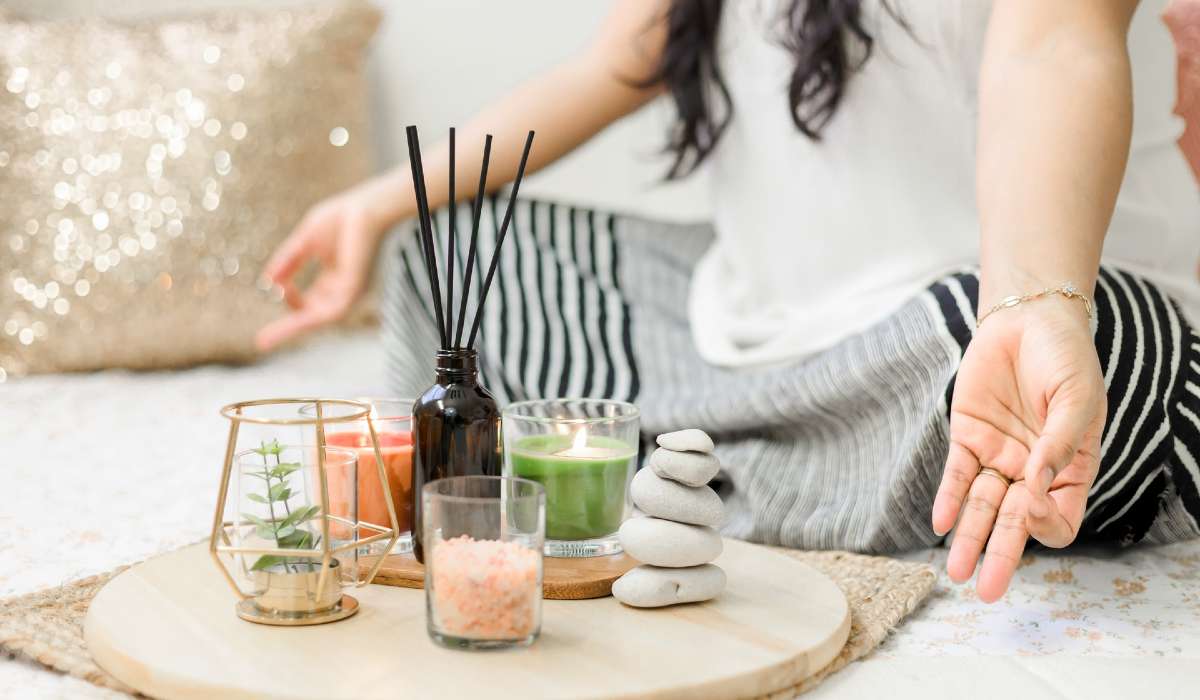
(562, 579)
(167, 627)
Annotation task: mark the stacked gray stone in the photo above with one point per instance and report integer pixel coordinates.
(676, 538)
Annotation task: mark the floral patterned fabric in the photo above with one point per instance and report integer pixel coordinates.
(1141, 601)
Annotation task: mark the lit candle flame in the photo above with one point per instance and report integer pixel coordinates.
(579, 449)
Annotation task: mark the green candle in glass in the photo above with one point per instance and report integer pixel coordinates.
(583, 453)
(584, 480)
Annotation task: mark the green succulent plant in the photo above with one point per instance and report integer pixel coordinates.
(284, 526)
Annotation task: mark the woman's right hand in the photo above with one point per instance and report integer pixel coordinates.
(341, 234)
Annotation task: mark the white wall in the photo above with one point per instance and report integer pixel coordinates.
(440, 61)
(436, 62)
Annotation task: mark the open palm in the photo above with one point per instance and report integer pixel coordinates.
(1028, 402)
(341, 236)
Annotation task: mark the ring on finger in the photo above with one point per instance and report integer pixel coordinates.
(995, 473)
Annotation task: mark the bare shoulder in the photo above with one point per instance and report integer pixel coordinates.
(629, 44)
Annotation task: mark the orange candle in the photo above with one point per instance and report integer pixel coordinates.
(396, 449)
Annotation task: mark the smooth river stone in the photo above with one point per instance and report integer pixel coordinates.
(690, 440)
(667, 543)
(691, 468)
(697, 505)
(656, 586)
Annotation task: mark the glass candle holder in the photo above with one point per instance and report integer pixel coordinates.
(583, 452)
(483, 538)
(286, 532)
(393, 429)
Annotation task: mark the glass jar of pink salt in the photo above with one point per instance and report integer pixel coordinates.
(483, 561)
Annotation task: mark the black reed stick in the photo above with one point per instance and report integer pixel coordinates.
(478, 209)
(414, 152)
(487, 281)
(421, 239)
(450, 256)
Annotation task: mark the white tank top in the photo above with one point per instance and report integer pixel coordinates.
(818, 241)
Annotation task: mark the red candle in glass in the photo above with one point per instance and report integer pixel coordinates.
(396, 450)
(393, 430)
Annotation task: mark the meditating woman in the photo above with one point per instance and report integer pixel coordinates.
(899, 322)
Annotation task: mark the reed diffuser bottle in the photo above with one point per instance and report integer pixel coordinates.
(456, 422)
(456, 429)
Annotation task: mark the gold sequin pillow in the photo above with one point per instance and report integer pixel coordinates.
(148, 169)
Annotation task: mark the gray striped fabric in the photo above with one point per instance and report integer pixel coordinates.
(843, 450)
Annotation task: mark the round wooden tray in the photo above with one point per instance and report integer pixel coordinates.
(167, 627)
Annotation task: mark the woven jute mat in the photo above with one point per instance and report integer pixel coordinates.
(47, 626)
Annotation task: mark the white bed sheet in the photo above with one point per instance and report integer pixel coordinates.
(98, 470)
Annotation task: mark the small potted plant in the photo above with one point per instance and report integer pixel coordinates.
(283, 583)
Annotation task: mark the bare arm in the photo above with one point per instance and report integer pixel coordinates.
(1055, 113)
(566, 107)
(1029, 400)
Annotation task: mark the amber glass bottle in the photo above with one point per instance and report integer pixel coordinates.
(456, 430)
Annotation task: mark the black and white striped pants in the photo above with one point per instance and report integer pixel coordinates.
(841, 450)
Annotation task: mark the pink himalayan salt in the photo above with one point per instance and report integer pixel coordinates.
(485, 589)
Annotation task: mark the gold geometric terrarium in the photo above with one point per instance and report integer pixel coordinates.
(286, 532)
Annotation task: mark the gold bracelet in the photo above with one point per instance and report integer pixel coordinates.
(1066, 289)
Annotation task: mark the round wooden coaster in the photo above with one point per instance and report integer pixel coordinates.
(168, 628)
(562, 579)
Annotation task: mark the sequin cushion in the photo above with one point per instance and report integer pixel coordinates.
(148, 169)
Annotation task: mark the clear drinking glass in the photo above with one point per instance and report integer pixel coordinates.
(483, 538)
(393, 428)
(584, 453)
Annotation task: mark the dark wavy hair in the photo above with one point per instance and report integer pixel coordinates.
(825, 37)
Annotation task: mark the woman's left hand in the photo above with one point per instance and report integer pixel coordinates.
(1029, 402)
